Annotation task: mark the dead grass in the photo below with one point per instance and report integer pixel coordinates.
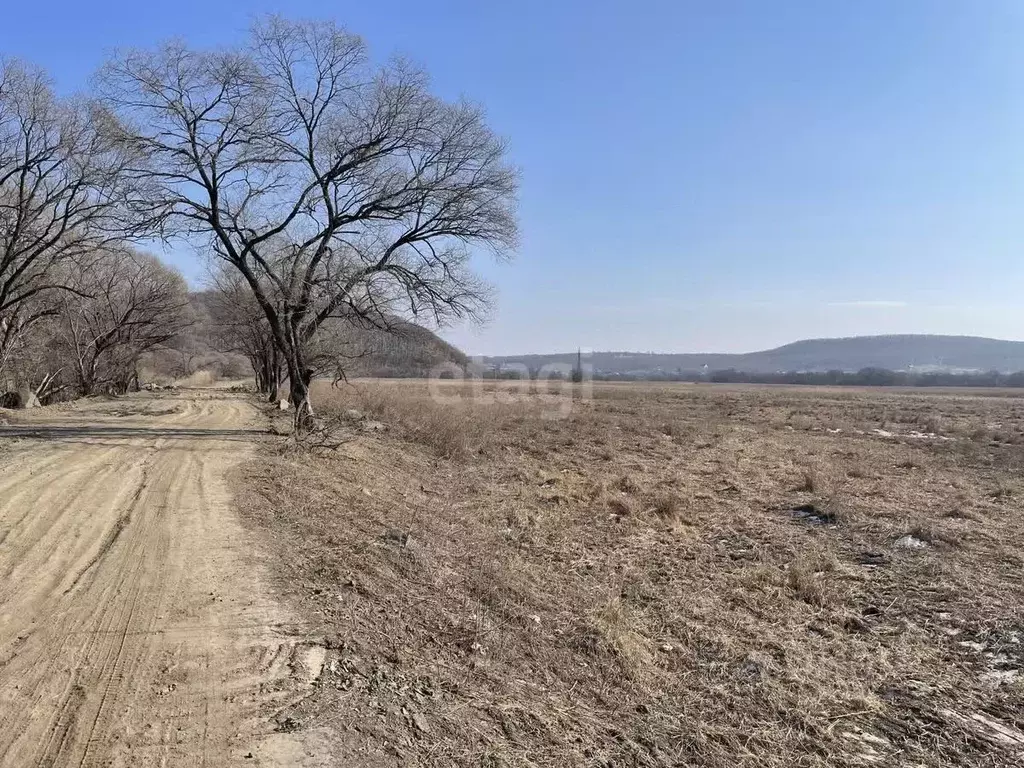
(808, 584)
(621, 506)
(668, 507)
(629, 586)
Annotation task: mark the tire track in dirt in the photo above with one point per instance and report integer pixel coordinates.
(133, 618)
(115, 533)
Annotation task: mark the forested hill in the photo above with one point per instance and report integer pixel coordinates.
(406, 350)
(897, 353)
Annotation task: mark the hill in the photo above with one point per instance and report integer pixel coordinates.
(407, 350)
(897, 353)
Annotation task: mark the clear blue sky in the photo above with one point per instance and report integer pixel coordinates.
(714, 175)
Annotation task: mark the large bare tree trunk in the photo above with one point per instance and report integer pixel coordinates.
(300, 376)
(274, 375)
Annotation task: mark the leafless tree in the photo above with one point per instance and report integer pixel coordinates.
(242, 327)
(62, 179)
(123, 304)
(34, 363)
(337, 189)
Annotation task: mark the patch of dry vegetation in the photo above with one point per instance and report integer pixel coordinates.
(673, 575)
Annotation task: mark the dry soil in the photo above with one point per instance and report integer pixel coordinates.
(135, 629)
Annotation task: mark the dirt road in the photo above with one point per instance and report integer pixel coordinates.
(135, 626)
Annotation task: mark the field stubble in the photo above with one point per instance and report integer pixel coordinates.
(672, 575)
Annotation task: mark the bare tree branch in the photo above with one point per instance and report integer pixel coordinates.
(338, 190)
(62, 188)
(126, 304)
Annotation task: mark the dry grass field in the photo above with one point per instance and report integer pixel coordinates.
(671, 575)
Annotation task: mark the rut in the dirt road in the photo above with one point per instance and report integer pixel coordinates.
(134, 628)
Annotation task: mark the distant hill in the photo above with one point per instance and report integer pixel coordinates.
(407, 350)
(897, 353)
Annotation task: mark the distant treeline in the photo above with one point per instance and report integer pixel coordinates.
(866, 377)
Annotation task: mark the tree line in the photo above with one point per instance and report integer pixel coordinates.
(329, 192)
(865, 377)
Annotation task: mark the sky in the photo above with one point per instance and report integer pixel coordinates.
(712, 175)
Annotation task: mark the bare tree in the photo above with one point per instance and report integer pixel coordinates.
(123, 304)
(337, 189)
(34, 363)
(242, 327)
(61, 181)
